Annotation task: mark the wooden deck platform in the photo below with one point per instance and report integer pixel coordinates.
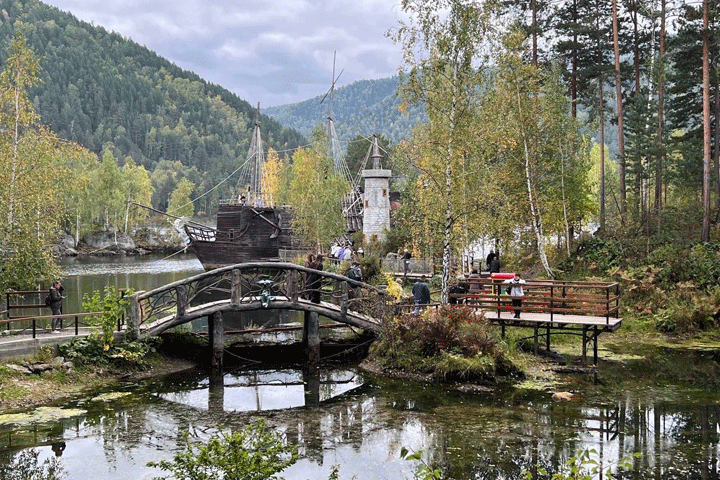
(545, 324)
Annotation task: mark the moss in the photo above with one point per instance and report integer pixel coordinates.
(39, 415)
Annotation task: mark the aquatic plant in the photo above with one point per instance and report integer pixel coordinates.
(453, 343)
(254, 453)
(423, 471)
(584, 465)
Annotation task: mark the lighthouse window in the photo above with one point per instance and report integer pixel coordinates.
(367, 203)
(384, 192)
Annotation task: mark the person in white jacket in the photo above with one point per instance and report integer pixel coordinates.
(515, 290)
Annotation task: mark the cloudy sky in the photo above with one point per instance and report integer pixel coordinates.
(268, 51)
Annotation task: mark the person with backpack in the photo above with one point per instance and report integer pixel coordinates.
(355, 273)
(421, 294)
(56, 298)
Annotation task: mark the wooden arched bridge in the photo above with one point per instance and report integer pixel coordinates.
(259, 286)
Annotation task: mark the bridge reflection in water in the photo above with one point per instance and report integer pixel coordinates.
(493, 436)
(263, 390)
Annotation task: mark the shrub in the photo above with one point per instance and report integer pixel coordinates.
(112, 306)
(453, 343)
(92, 351)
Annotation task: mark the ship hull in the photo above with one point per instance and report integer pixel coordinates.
(244, 233)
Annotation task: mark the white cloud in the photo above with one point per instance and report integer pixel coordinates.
(272, 51)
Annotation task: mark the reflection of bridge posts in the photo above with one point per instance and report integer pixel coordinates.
(311, 381)
(311, 337)
(217, 347)
(216, 392)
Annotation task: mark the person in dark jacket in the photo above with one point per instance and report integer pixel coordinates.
(421, 294)
(495, 265)
(56, 298)
(489, 259)
(314, 281)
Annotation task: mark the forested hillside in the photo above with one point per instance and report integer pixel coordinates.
(104, 91)
(362, 108)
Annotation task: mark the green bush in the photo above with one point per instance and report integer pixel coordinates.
(92, 351)
(112, 306)
(453, 343)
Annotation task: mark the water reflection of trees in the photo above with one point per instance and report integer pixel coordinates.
(473, 437)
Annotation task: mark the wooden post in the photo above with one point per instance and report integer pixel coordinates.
(182, 296)
(311, 338)
(217, 347)
(311, 379)
(236, 293)
(343, 299)
(134, 318)
(292, 286)
(216, 392)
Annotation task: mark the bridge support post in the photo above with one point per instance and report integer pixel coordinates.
(217, 347)
(311, 337)
(134, 315)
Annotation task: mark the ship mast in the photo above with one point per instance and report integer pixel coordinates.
(335, 151)
(257, 159)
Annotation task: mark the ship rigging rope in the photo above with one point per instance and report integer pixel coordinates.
(248, 159)
(230, 176)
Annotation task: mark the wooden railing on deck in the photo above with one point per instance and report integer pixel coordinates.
(599, 299)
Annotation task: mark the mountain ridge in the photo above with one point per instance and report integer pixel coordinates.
(362, 108)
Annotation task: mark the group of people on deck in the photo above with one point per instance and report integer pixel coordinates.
(344, 251)
(513, 286)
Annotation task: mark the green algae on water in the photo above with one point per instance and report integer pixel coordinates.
(40, 415)
(109, 397)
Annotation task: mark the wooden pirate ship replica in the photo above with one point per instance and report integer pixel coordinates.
(250, 228)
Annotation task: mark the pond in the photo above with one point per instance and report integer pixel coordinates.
(361, 422)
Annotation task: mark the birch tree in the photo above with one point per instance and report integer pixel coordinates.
(443, 70)
(29, 164)
(315, 192)
(270, 177)
(541, 144)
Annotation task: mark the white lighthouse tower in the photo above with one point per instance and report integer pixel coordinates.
(376, 199)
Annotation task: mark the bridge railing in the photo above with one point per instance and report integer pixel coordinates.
(260, 282)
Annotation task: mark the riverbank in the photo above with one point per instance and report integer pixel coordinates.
(20, 390)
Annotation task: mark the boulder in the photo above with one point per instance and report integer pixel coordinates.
(110, 241)
(65, 246)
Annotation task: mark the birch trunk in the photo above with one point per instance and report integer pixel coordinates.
(534, 212)
(444, 293)
(14, 167)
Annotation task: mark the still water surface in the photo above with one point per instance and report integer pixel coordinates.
(360, 421)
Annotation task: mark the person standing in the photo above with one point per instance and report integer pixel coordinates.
(421, 294)
(495, 264)
(309, 262)
(315, 280)
(515, 290)
(406, 256)
(56, 298)
(489, 258)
